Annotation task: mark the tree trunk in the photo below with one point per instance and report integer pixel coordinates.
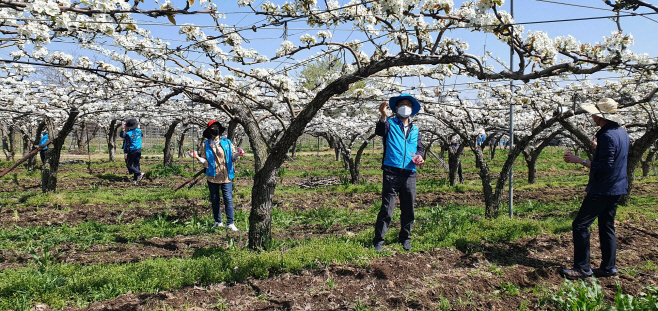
(232, 130)
(27, 146)
(648, 162)
(111, 138)
(532, 156)
(635, 153)
(293, 151)
(50, 168)
(260, 217)
(9, 142)
(169, 146)
(82, 130)
(491, 201)
(531, 162)
(356, 176)
(453, 164)
(492, 151)
(181, 144)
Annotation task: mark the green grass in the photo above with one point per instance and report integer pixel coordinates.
(46, 280)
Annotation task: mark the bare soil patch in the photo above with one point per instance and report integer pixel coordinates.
(467, 279)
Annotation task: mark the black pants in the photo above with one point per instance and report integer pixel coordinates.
(605, 208)
(406, 188)
(43, 153)
(133, 162)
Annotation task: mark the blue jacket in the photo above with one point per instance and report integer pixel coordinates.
(134, 139)
(398, 146)
(43, 141)
(225, 143)
(608, 171)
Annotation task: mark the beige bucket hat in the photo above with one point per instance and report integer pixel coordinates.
(605, 108)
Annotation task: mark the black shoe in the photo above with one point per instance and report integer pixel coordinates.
(406, 245)
(599, 273)
(574, 274)
(379, 246)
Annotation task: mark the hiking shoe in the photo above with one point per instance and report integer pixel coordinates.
(379, 246)
(600, 273)
(140, 177)
(574, 274)
(406, 245)
(233, 227)
(217, 224)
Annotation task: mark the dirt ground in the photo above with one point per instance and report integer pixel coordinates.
(474, 277)
(457, 279)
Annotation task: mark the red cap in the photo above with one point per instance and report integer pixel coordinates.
(211, 122)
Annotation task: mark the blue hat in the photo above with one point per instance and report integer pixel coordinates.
(394, 102)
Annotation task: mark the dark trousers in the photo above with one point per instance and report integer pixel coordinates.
(605, 208)
(133, 162)
(406, 188)
(227, 196)
(43, 153)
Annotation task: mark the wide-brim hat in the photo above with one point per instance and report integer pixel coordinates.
(393, 102)
(206, 132)
(131, 124)
(605, 108)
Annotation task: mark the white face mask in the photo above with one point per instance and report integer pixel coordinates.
(404, 111)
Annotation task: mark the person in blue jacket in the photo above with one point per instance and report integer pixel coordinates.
(402, 152)
(608, 181)
(133, 144)
(43, 152)
(217, 156)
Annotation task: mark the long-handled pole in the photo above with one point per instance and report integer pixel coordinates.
(190, 180)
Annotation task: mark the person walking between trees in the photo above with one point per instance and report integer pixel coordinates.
(402, 152)
(133, 144)
(43, 152)
(218, 157)
(607, 183)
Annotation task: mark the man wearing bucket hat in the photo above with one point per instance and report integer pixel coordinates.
(133, 146)
(218, 156)
(607, 183)
(402, 152)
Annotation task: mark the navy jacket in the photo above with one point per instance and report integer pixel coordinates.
(398, 149)
(608, 173)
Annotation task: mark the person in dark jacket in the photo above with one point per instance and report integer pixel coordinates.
(218, 156)
(402, 152)
(133, 144)
(607, 183)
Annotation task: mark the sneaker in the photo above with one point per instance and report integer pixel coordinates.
(140, 177)
(233, 227)
(574, 274)
(600, 273)
(379, 246)
(217, 224)
(406, 245)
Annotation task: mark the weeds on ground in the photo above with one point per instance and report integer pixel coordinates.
(589, 295)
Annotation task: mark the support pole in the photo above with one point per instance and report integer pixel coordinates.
(511, 117)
